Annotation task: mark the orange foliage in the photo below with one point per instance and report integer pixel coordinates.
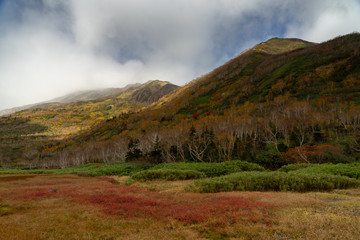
(308, 153)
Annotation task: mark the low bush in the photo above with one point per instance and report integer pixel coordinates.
(91, 169)
(294, 167)
(21, 171)
(212, 169)
(350, 170)
(273, 181)
(269, 160)
(166, 174)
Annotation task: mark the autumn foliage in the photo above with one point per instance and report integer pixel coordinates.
(132, 202)
(258, 107)
(310, 154)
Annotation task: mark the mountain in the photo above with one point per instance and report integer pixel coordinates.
(67, 115)
(280, 45)
(143, 93)
(271, 69)
(89, 95)
(16, 109)
(280, 94)
(282, 101)
(72, 97)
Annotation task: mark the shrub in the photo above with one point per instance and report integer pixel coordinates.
(351, 170)
(167, 174)
(91, 169)
(294, 167)
(212, 169)
(270, 160)
(273, 181)
(21, 171)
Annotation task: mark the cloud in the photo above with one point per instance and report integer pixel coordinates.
(52, 47)
(332, 19)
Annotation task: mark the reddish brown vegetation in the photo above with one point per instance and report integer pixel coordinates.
(309, 154)
(130, 202)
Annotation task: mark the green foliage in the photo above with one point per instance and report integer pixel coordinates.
(337, 157)
(201, 100)
(212, 169)
(289, 68)
(269, 160)
(19, 126)
(294, 167)
(120, 169)
(92, 169)
(167, 174)
(21, 171)
(273, 181)
(133, 150)
(350, 170)
(156, 152)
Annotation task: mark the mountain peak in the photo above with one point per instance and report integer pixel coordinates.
(281, 45)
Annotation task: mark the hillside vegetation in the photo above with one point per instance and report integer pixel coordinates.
(283, 101)
(25, 134)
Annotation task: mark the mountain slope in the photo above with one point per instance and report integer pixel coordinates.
(282, 101)
(284, 94)
(143, 93)
(70, 114)
(258, 75)
(26, 131)
(89, 95)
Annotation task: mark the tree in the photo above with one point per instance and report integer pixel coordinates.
(133, 152)
(156, 152)
(199, 142)
(225, 143)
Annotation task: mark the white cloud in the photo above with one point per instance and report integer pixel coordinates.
(52, 47)
(332, 19)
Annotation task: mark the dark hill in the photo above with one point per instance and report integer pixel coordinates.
(270, 69)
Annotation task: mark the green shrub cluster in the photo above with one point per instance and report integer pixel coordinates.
(91, 169)
(273, 181)
(294, 167)
(350, 170)
(166, 174)
(21, 171)
(212, 169)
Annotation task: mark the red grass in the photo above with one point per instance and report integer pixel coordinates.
(129, 201)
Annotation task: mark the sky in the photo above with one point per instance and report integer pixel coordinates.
(49, 48)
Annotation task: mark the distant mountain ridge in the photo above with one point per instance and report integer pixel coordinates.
(87, 95)
(147, 92)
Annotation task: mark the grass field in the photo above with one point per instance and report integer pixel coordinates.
(73, 207)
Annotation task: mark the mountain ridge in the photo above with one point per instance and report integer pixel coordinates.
(278, 96)
(97, 94)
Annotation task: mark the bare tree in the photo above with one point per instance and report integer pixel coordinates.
(63, 159)
(198, 144)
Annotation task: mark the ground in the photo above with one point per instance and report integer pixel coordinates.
(74, 207)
